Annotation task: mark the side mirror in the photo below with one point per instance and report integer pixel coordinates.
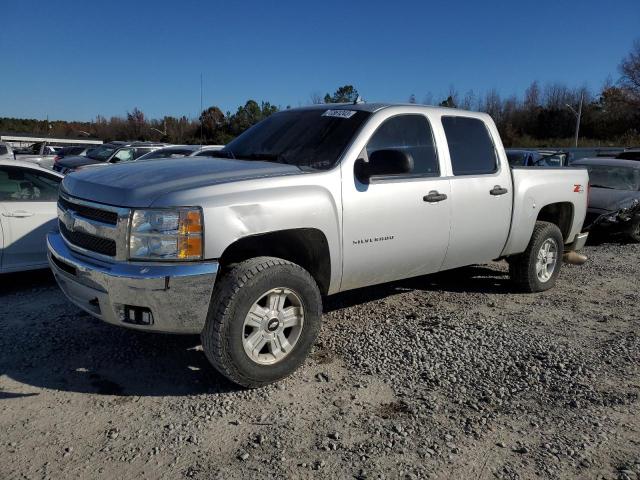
(383, 163)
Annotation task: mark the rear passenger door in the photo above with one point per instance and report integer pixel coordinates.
(396, 226)
(481, 193)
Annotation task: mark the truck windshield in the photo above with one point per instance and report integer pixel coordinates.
(306, 138)
(617, 178)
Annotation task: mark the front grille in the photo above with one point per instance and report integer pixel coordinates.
(91, 213)
(100, 245)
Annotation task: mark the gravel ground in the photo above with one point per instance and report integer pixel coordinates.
(447, 376)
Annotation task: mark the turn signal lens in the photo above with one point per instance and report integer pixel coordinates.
(190, 222)
(189, 248)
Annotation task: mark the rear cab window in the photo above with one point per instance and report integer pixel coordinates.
(471, 148)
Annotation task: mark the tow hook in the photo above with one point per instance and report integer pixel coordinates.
(574, 258)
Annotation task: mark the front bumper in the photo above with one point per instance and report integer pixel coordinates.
(177, 295)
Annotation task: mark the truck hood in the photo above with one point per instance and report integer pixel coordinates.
(138, 184)
(608, 200)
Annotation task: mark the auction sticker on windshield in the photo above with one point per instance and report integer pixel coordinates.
(339, 113)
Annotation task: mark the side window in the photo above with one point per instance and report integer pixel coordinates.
(27, 185)
(470, 146)
(412, 134)
(123, 155)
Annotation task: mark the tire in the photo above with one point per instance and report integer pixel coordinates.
(633, 234)
(229, 328)
(523, 268)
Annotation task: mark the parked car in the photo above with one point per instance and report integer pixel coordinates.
(6, 152)
(536, 158)
(629, 154)
(309, 202)
(28, 196)
(614, 201)
(180, 151)
(106, 153)
(41, 154)
(75, 150)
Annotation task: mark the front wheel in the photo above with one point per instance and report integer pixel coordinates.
(264, 317)
(537, 268)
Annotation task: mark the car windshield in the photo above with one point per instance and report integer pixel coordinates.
(305, 138)
(101, 153)
(617, 178)
(167, 153)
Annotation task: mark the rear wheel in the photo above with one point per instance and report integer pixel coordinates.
(537, 268)
(264, 317)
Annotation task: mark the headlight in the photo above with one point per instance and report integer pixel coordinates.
(166, 234)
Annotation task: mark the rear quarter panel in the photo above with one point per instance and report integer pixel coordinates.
(536, 187)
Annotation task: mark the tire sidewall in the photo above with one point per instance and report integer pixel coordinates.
(550, 232)
(288, 276)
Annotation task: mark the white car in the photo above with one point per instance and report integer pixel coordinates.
(6, 153)
(28, 199)
(180, 151)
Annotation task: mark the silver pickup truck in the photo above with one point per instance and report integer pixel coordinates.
(312, 201)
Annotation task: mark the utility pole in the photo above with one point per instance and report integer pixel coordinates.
(578, 115)
(201, 131)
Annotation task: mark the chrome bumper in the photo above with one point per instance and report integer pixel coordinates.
(177, 295)
(578, 242)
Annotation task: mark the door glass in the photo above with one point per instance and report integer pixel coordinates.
(411, 134)
(470, 146)
(27, 185)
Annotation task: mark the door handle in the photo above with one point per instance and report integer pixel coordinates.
(434, 196)
(18, 214)
(498, 190)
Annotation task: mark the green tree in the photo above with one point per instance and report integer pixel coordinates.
(344, 94)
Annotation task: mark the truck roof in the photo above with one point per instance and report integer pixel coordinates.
(377, 106)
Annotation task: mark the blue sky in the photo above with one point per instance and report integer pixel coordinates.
(77, 59)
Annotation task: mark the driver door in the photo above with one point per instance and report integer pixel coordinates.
(396, 226)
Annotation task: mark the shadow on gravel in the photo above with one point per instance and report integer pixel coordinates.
(473, 279)
(23, 281)
(49, 343)
(77, 353)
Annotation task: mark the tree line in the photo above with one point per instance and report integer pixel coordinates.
(544, 115)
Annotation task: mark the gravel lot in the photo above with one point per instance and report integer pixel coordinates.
(447, 376)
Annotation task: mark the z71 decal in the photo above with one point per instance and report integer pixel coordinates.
(578, 188)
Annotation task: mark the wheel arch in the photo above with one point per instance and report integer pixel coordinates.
(560, 214)
(307, 247)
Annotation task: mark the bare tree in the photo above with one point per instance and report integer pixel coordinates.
(532, 96)
(630, 70)
(316, 98)
(468, 101)
(412, 98)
